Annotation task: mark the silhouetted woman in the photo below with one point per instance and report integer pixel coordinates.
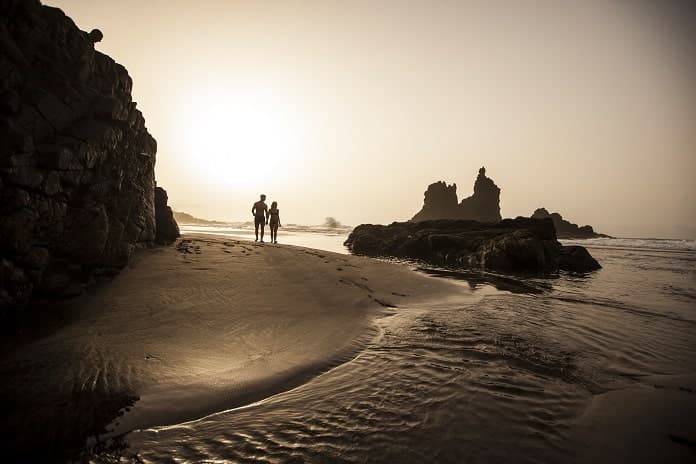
(274, 221)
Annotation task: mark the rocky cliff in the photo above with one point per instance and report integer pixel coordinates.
(441, 202)
(564, 228)
(77, 184)
(521, 244)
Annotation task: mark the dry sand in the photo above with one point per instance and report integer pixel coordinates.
(205, 325)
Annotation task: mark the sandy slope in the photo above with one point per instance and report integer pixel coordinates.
(209, 324)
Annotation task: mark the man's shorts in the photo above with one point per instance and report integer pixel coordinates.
(259, 220)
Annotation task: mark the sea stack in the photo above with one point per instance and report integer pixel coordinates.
(441, 202)
(77, 179)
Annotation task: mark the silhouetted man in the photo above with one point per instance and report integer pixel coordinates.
(260, 212)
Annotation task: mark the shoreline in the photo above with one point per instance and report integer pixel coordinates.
(208, 324)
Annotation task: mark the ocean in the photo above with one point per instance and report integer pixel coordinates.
(573, 368)
(319, 237)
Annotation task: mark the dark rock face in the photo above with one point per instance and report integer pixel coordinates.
(441, 202)
(566, 229)
(167, 230)
(510, 245)
(484, 204)
(577, 259)
(77, 184)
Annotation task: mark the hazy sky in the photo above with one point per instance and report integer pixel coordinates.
(351, 108)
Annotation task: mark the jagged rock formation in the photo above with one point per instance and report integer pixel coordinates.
(77, 186)
(441, 202)
(564, 228)
(166, 228)
(484, 204)
(520, 244)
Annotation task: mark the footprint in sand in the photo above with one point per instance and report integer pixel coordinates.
(386, 304)
(187, 247)
(356, 284)
(318, 255)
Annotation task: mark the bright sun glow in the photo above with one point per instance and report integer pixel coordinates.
(239, 139)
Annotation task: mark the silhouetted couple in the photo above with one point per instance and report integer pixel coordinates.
(263, 216)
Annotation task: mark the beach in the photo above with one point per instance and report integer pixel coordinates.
(486, 239)
(222, 349)
(187, 330)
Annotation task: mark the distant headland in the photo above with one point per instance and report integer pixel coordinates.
(186, 218)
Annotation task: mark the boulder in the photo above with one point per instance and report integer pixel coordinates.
(167, 230)
(516, 245)
(95, 35)
(440, 202)
(577, 259)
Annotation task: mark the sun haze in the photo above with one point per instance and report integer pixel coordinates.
(350, 109)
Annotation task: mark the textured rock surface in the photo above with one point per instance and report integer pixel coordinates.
(77, 180)
(510, 245)
(166, 228)
(577, 259)
(441, 202)
(564, 228)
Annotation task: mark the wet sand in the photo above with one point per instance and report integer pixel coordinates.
(655, 422)
(203, 326)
